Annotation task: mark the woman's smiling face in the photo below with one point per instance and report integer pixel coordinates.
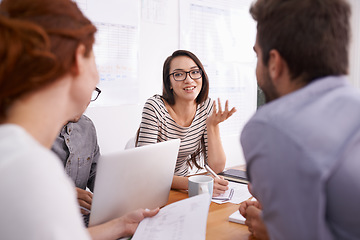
(188, 89)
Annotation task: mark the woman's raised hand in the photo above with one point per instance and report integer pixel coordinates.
(219, 116)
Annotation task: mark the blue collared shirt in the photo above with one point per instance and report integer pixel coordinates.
(77, 147)
(303, 159)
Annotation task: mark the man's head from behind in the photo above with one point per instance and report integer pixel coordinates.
(312, 36)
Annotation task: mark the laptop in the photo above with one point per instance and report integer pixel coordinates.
(134, 178)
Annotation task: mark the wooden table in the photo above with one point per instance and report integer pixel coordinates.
(218, 226)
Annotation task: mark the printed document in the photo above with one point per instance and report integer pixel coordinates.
(182, 220)
(241, 193)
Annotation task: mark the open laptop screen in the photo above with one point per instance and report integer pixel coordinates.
(133, 178)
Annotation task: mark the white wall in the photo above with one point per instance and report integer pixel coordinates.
(115, 125)
(355, 44)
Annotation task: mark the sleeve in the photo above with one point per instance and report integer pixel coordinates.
(95, 153)
(92, 175)
(285, 182)
(150, 123)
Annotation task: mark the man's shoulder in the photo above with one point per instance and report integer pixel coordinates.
(85, 120)
(84, 128)
(313, 114)
(309, 103)
(84, 123)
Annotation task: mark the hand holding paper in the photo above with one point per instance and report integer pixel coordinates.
(184, 219)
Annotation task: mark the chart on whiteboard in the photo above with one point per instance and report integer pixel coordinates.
(116, 49)
(222, 35)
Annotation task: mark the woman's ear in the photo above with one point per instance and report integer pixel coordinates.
(78, 65)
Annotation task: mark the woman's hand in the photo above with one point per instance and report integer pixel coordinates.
(219, 116)
(220, 186)
(85, 200)
(131, 220)
(124, 226)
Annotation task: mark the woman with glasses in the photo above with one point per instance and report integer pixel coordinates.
(47, 76)
(184, 111)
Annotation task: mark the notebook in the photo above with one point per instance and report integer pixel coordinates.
(226, 196)
(134, 178)
(237, 218)
(235, 175)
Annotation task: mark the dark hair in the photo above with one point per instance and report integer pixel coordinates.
(195, 158)
(168, 94)
(311, 35)
(38, 39)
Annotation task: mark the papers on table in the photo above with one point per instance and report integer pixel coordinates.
(181, 220)
(237, 217)
(241, 193)
(225, 196)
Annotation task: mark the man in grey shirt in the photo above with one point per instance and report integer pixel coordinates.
(302, 147)
(77, 147)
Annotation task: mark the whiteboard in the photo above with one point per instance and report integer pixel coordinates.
(224, 45)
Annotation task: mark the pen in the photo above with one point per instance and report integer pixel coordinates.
(85, 209)
(211, 171)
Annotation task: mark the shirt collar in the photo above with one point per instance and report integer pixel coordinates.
(67, 129)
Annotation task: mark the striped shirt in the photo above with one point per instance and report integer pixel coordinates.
(157, 126)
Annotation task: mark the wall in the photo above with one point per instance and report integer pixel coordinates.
(116, 125)
(354, 73)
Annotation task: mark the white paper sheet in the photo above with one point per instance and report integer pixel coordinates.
(236, 217)
(241, 193)
(182, 220)
(226, 196)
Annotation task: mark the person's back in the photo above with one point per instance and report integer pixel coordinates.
(312, 130)
(47, 76)
(35, 172)
(301, 147)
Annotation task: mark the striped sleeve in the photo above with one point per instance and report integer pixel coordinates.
(150, 122)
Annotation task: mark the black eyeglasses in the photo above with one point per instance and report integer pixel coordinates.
(95, 94)
(181, 75)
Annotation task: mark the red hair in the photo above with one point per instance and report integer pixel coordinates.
(38, 39)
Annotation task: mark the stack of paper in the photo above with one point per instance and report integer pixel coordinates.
(237, 218)
(182, 220)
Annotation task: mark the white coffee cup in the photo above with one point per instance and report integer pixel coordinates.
(200, 184)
